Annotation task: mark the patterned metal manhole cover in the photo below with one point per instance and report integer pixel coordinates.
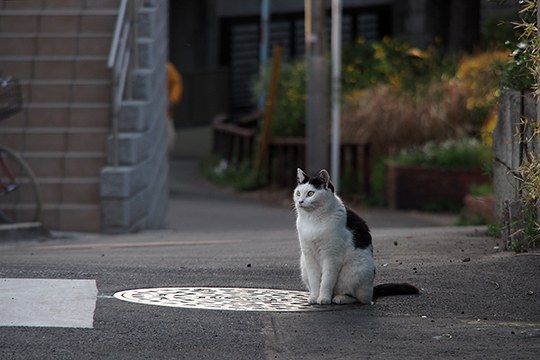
(210, 298)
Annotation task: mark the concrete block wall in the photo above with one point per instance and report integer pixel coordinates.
(134, 195)
(509, 155)
(506, 151)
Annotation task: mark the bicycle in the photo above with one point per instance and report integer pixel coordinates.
(20, 199)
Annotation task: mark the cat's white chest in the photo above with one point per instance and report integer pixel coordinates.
(317, 235)
(311, 229)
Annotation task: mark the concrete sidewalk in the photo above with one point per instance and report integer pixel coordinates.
(193, 200)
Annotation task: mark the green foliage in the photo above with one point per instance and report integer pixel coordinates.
(451, 154)
(481, 189)
(393, 62)
(494, 230)
(241, 177)
(378, 188)
(519, 73)
(525, 67)
(365, 64)
(478, 79)
(515, 73)
(290, 109)
(473, 220)
(528, 235)
(496, 32)
(348, 185)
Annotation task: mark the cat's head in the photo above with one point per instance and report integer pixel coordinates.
(312, 192)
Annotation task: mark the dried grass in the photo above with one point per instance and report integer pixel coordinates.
(385, 118)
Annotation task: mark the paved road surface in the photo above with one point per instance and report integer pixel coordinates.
(477, 302)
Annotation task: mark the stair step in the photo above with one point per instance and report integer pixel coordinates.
(24, 231)
(57, 21)
(72, 217)
(65, 12)
(70, 164)
(55, 139)
(46, 91)
(70, 190)
(56, 67)
(27, 45)
(60, 4)
(61, 114)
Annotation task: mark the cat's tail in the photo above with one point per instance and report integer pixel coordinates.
(394, 289)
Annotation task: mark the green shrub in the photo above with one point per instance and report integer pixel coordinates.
(378, 184)
(290, 108)
(528, 234)
(393, 62)
(241, 177)
(365, 64)
(522, 73)
(519, 73)
(481, 189)
(451, 154)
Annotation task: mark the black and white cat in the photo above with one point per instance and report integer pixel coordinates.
(337, 256)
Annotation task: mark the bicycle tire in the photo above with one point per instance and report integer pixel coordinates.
(22, 204)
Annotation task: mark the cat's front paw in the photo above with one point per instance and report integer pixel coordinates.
(312, 300)
(323, 300)
(343, 299)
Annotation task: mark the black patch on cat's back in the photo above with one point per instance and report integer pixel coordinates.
(359, 229)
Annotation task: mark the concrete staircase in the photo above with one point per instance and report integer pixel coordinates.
(59, 49)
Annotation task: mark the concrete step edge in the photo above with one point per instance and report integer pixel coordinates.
(23, 231)
(58, 12)
(56, 130)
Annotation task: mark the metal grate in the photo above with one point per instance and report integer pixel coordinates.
(233, 299)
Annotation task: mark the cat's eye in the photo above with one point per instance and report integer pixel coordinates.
(310, 193)
(298, 193)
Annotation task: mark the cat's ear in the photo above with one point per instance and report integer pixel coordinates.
(325, 178)
(301, 176)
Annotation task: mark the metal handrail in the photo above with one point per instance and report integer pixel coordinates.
(119, 62)
(117, 30)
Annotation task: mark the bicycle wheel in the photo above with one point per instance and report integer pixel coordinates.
(20, 200)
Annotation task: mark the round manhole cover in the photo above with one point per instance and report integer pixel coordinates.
(235, 299)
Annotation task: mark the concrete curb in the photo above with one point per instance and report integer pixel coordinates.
(23, 231)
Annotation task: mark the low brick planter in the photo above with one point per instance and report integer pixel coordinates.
(483, 206)
(416, 187)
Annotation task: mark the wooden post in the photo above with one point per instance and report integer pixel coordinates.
(269, 108)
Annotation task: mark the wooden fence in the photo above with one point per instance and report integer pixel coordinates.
(237, 144)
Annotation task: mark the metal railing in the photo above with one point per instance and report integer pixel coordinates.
(237, 144)
(122, 60)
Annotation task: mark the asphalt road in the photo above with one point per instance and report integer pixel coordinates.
(477, 301)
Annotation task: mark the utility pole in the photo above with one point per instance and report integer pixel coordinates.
(317, 78)
(336, 92)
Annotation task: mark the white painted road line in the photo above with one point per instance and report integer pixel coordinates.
(47, 302)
